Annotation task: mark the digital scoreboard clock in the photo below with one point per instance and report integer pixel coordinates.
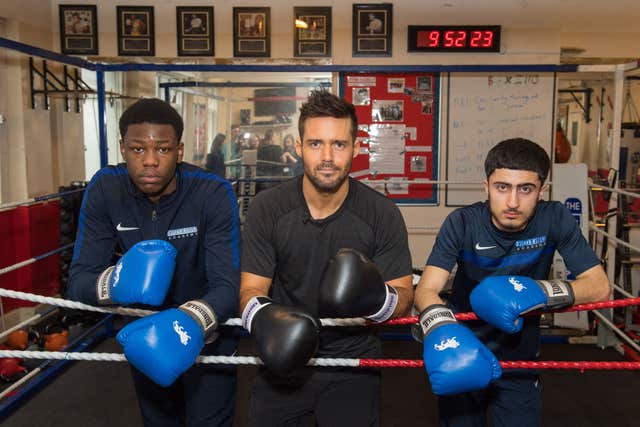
(454, 38)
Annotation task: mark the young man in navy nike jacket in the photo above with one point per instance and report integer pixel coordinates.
(154, 196)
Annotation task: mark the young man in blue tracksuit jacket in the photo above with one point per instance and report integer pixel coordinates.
(503, 249)
(154, 208)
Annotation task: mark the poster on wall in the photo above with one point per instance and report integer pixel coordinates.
(372, 29)
(312, 32)
(398, 133)
(136, 32)
(78, 29)
(251, 32)
(195, 31)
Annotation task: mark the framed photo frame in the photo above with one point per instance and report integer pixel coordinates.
(251, 31)
(195, 31)
(372, 29)
(315, 39)
(136, 31)
(395, 85)
(387, 110)
(78, 29)
(424, 84)
(361, 96)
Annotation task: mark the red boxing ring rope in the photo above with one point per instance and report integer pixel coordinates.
(516, 364)
(580, 307)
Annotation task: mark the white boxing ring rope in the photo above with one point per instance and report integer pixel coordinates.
(39, 199)
(34, 259)
(613, 238)
(25, 322)
(59, 302)
(117, 357)
(615, 330)
(615, 190)
(136, 312)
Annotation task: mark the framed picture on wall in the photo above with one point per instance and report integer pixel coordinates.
(195, 31)
(78, 29)
(423, 84)
(372, 29)
(312, 32)
(251, 31)
(136, 32)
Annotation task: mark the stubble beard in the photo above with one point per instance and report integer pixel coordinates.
(327, 187)
(508, 225)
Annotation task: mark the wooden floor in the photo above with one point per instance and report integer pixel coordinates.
(101, 394)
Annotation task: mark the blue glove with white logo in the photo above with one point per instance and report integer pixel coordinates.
(164, 345)
(142, 275)
(455, 359)
(501, 300)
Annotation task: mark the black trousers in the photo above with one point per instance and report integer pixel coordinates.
(349, 400)
(202, 396)
(510, 401)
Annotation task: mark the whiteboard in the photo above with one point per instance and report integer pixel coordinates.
(485, 109)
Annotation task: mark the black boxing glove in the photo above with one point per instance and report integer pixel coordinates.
(352, 286)
(285, 337)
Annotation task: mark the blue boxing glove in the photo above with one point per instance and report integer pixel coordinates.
(455, 359)
(501, 300)
(142, 275)
(164, 345)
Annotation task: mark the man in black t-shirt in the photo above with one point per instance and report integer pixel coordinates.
(291, 234)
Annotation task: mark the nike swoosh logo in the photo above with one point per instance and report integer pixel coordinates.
(119, 227)
(482, 248)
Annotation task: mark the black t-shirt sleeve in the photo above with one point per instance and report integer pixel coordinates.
(258, 250)
(392, 256)
(446, 249)
(572, 246)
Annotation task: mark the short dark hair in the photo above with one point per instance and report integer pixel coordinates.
(518, 154)
(151, 110)
(322, 103)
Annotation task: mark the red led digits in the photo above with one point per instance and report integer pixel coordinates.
(428, 39)
(487, 40)
(448, 38)
(434, 38)
(457, 38)
(476, 36)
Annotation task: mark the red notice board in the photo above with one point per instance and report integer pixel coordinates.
(398, 133)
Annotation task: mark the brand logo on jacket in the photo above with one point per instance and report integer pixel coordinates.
(120, 227)
(483, 248)
(533, 243)
(181, 233)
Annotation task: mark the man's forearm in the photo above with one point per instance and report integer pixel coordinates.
(405, 301)
(247, 294)
(426, 297)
